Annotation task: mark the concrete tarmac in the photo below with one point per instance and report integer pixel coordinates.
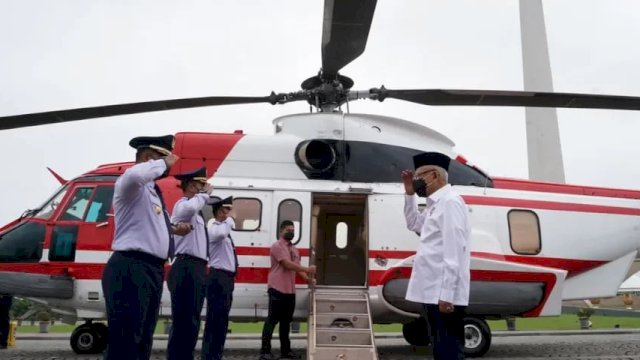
(610, 344)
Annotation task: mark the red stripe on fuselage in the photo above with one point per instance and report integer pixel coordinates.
(538, 186)
(548, 205)
(255, 275)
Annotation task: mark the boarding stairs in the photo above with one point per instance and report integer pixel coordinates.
(340, 326)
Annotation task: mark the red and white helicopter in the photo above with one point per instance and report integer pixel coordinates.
(336, 174)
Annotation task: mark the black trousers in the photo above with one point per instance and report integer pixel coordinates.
(281, 307)
(132, 286)
(220, 285)
(5, 306)
(447, 332)
(186, 282)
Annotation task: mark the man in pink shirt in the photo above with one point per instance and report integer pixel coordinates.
(285, 263)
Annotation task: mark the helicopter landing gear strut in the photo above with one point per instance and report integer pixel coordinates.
(89, 338)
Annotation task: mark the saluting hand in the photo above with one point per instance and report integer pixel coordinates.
(208, 188)
(407, 180)
(171, 159)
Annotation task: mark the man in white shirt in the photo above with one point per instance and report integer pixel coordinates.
(187, 277)
(223, 267)
(440, 276)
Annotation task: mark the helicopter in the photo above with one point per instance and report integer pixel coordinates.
(317, 169)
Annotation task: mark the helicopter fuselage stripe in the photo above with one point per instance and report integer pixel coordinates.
(259, 270)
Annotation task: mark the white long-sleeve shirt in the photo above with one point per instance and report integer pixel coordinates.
(441, 265)
(186, 211)
(139, 216)
(220, 247)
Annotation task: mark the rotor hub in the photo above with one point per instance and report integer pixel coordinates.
(327, 93)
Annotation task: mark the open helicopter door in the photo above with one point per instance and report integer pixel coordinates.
(339, 313)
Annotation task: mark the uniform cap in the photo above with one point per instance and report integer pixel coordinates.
(431, 158)
(194, 175)
(161, 144)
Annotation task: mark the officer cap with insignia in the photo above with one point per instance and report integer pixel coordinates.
(216, 203)
(194, 175)
(431, 158)
(161, 144)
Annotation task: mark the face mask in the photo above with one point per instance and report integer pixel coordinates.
(420, 187)
(288, 236)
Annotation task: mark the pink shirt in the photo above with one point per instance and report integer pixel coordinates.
(280, 278)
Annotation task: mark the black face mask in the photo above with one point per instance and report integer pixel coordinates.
(420, 187)
(288, 236)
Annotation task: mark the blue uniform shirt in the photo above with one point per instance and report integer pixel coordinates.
(221, 256)
(186, 211)
(139, 219)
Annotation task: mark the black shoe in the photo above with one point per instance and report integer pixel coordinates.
(290, 355)
(3, 346)
(267, 356)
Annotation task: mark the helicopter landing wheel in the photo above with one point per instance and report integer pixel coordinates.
(89, 338)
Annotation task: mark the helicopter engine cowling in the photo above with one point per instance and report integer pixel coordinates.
(315, 156)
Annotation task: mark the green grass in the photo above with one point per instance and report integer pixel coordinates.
(568, 322)
(563, 322)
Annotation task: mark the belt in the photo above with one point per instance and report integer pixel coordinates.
(191, 258)
(142, 256)
(227, 272)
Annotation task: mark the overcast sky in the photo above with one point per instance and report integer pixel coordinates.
(66, 54)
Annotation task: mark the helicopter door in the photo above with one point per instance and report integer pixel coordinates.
(341, 251)
(84, 224)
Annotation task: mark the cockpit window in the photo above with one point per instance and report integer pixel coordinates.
(100, 205)
(77, 205)
(23, 243)
(50, 206)
(463, 174)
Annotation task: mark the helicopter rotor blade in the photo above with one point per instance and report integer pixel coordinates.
(508, 98)
(344, 33)
(52, 117)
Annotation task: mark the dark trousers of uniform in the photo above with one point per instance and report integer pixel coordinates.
(186, 283)
(132, 286)
(447, 332)
(281, 307)
(220, 285)
(5, 306)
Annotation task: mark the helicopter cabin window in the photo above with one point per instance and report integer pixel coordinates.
(290, 209)
(342, 234)
(524, 232)
(77, 205)
(247, 214)
(63, 243)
